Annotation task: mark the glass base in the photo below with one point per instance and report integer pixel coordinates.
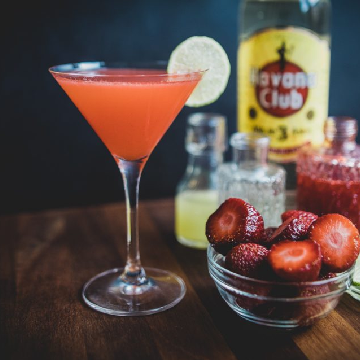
(107, 293)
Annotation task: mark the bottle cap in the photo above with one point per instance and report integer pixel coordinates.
(206, 132)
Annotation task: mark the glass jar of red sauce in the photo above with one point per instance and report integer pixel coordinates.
(328, 177)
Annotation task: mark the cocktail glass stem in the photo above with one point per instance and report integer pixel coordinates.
(134, 273)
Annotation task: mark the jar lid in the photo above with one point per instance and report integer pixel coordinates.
(206, 132)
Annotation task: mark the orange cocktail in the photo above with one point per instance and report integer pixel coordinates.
(130, 110)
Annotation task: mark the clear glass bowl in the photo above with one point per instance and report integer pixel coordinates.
(285, 305)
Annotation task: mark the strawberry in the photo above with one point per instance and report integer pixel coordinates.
(234, 222)
(268, 232)
(338, 239)
(251, 291)
(296, 260)
(326, 276)
(309, 311)
(275, 310)
(313, 290)
(247, 259)
(294, 228)
(266, 240)
(317, 306)
(290, 213)
(304, 311)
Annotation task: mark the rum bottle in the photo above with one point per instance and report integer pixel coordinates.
(283, 72)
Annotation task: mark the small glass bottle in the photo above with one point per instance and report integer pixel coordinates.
(328, 176)
(252, 179)
(197, 193)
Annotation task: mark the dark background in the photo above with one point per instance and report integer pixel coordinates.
(49, 155)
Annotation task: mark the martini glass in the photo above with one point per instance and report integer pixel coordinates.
(130, 107)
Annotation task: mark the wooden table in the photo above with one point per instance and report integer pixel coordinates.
(46, 257)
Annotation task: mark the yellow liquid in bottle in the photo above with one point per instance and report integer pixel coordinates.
(192, 209)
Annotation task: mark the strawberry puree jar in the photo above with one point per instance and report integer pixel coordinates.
(328, 176)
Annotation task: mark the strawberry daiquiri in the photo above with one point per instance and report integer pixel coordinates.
(130, 108)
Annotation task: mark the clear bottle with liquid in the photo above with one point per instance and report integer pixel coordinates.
(197, 192)
(250, 177)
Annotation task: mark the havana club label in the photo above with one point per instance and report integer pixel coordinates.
(283, 88)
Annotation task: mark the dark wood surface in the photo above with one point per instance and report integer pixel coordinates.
(46, 257)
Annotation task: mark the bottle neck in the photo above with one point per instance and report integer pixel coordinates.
(340, 134)
(251, 154)
(206, 161)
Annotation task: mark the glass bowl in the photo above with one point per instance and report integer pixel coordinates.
(277, 304)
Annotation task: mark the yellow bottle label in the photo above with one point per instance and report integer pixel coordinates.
(283, 88)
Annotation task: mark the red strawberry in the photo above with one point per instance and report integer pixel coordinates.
(251, 290)
(338, 239)
(308, 311)
(313, 290)
(294, 228)
(290, 213)
(268, 232)
(275, 310)
(247, 259)
(234, 222)
(305, 311)
(326, 276)
(296, 260)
